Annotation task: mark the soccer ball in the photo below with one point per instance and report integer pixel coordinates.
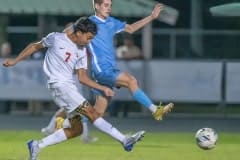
(206, 138)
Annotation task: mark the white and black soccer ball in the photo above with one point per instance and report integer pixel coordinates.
(206, 138)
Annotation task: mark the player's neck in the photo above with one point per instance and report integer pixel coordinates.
(101, 17)
(72, 37)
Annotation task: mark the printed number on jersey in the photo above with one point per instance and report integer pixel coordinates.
(68, 55)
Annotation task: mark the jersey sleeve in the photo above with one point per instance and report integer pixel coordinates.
(48, 40)
(119, 25)
(82, 63)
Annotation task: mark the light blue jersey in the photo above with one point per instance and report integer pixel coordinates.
(102, 47)
(103, 58)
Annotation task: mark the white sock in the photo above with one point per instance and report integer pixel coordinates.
(85, 130)
(52, 123)
(107, 128)
(66, 123)
(56, 137)
(153, 108)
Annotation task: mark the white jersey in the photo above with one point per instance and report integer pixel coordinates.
(62, 58)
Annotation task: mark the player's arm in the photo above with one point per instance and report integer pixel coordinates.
(130, 28)
(29, 50)
(84, 79)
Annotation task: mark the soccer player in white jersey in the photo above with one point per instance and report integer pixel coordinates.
(103, 58)
(56, 122)
(104, 67)
(65, 55)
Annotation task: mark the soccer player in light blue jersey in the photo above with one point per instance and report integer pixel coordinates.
(103, 58)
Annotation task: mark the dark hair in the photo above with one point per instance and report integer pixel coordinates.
(84, 24)
(98, 1)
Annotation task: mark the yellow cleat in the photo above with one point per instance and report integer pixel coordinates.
(59, 123)
(162, 110)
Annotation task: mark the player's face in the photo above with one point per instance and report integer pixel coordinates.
(82, 39)
(104, 9)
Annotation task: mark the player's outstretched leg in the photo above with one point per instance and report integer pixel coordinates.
(33, 149)
(157, 111)
(129, 142)
(162, 110)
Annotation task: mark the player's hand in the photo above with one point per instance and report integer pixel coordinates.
(9, 62)
(156, 11)
(108, 92)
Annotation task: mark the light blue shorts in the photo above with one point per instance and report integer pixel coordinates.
(107, 78)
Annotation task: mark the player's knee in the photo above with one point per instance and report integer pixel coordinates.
(100, 114)
(132, 82)
(93, 114)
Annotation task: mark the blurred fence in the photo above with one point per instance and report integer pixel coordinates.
(178, 81)
(232, 93)
(202, 43)
(163, 80)
(26, 81)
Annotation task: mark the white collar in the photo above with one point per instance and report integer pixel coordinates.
(100, 19)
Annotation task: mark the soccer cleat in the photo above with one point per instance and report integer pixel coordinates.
(162, 110)
(59, 123)
(89, 139)
(33, 149)
(130, 141)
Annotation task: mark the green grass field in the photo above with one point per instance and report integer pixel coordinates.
(155, 146)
